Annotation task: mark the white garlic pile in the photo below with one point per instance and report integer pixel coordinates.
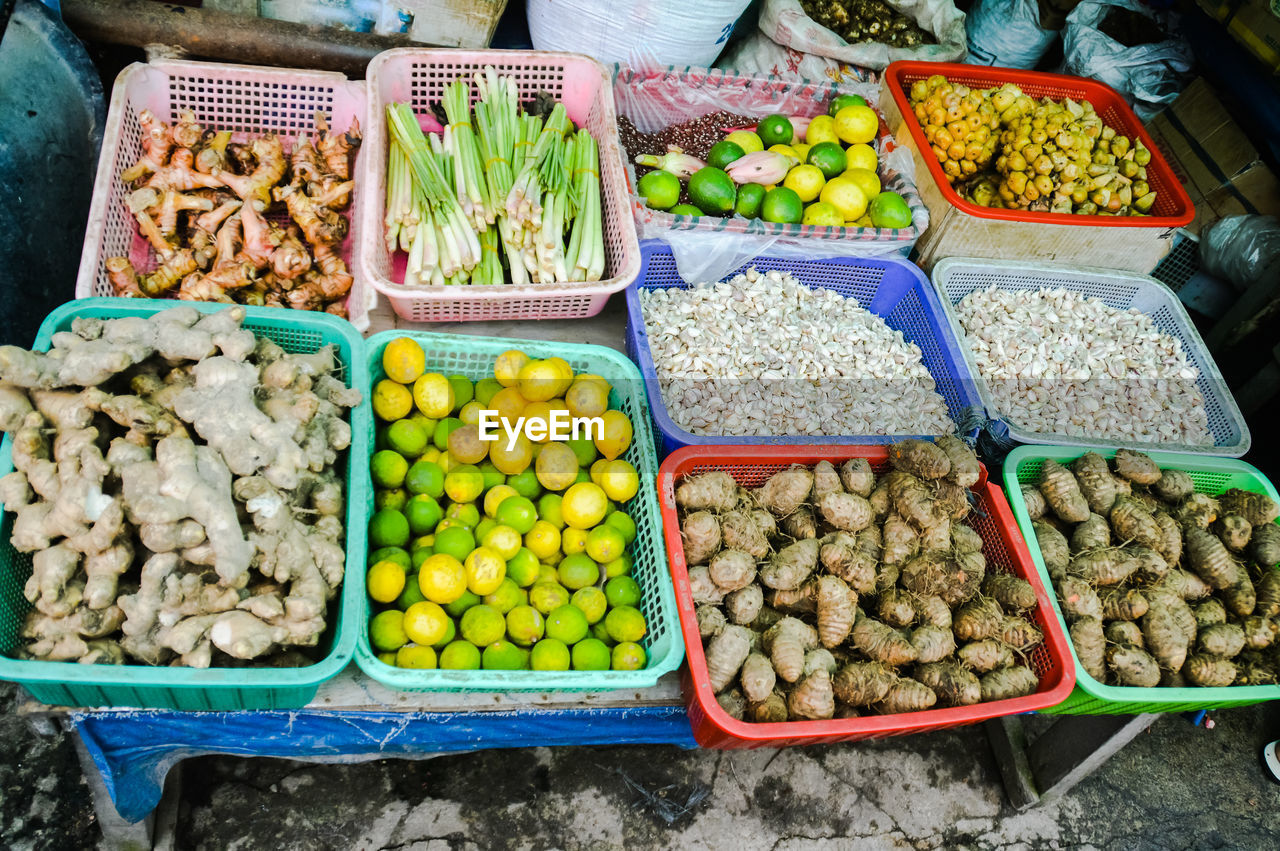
(1063, 363)
(763, 354)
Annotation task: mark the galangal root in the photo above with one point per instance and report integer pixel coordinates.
(209, 207)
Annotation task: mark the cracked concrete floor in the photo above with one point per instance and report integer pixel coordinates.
(1177, 786)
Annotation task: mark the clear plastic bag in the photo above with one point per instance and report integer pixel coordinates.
(1242, 250)
(708, 248)
(1150, 76)
(1007, 33)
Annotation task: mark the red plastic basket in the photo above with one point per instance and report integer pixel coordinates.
(1173, 207)
(1003, 546)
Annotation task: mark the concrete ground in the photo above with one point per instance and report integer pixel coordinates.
(1175, 787)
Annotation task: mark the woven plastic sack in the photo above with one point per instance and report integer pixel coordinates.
(1150, 76)
(1007, 33)
(761, 56)
(1242, 250)
(786, 23)
(670, 32)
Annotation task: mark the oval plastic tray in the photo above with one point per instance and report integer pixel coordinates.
(1090, 697)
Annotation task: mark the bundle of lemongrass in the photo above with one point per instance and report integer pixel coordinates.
(496, 185)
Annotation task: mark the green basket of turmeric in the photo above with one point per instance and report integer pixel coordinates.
(1165, 572)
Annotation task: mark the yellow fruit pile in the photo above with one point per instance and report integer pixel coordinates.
(500, 554)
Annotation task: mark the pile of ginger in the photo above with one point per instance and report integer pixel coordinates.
(207, 207)
(174, 480)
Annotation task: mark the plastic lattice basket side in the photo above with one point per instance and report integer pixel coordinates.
(1211, 476)
(70, 684)
(957, 277)
(245, 100)
(1003, 547)
(459, 354)
(418, 77)
(889, 287)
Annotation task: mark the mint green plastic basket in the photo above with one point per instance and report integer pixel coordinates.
(459, 354)
(163, 687)
(1090, 697)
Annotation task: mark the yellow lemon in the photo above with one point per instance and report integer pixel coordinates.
(802, 151)
(433, 394)
(783, 149)
(617, 434)
(539, 380)
(864, 222)
(846, 196)
(747, 140)
(620, 481)
(485, 570)
(537, 417)
(442, 579)
(463, 483)
(566, 373)
(543, 540)
(556, 467)
(588, 398)
(503, 540)
(584, 505)
(509, 404)
(806, 181)
(494, 497)
(866, 179)
(511, 461)
(572, 541)
(470, 413)
(385, 581)
(821, 129)
(591, 376)
(416, 656)
(508, 365)
(465, 445)
(391, 401)
(822, 214)
(425, 623)
(597, 471)
(403, 360)
(861, 156)
(856, 124)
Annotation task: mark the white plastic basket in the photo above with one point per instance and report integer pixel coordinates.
(956, 277)
(244, 99)
(418, 77)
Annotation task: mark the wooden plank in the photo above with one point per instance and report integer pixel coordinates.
(1077, 745)
(1008, 742)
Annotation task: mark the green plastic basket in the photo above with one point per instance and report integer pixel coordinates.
(1090, 697)
(460, 354)
(70, 684)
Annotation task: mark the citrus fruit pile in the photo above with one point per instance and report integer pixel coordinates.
(822, 172)
(507, 554)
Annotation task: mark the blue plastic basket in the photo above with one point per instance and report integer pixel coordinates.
(889, 287)
(163, 687)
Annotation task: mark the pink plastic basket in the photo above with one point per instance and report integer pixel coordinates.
(418, 77)
(240, 98)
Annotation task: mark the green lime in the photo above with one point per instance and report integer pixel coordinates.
(724, 152)
(578, 571)
(407, 437)
(450, 633)
(466, 513)
(547, 573)
(659, 189)
(388, 469)
(492, 475)
(482, 624)
(463, 390)
(387, 658)
(486, 389)
(775, 130)
(591, 601)
(839, 102)
(625, 623)
(443, 429)
(605, 543)
(750, 197)
(888, 210)
(484, 527)
(522, 568)
(591, 654)
(421, 554)
(460, 605)
(507, 597)
(428, 424)
(392, 498)
(829, 158)
(550, 655)
(388, 528)
(549, 509)
(423, 513)
(386, 631)
(425, 477)
(685, 210)
(548, 596)
(628, 656)
(712, 191)
(456, 541)
(397, 554)
(622, 521)
(415, 656)
(599, 633)
(584, 450)
(567, 623)
(503, 656)
(517, 512)
(525, 625)
(460, 656)
(525, 483)
(618, 567)
(782, 205)
(411, 594)
(622, 591)
(583, 476)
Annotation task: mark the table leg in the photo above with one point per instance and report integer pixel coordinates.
(117, 834)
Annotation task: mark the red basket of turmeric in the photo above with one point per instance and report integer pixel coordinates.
(1037, 673)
